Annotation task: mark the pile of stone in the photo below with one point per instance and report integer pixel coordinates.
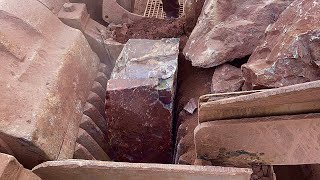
(68, 90)
(280, 39)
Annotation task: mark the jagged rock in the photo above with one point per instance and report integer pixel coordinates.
(227, 78)
(290, 51)
(227, 30)
(191, 106)
(139, 101)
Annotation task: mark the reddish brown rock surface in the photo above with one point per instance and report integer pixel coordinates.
(227, 30)
(139, 99)
(192, 11)
(290, 52)
(227, 78)
(241, 142)
(46, 75)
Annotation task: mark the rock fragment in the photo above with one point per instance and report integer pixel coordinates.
(226, 78)
(191, 106)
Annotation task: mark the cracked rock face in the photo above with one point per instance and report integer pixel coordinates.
(229, 29)
(139, 101)
(290, 52)
(226, 78)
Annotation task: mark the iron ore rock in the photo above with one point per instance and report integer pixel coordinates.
(139, 103)
(290, 52)
(228, 30)
(226, 78)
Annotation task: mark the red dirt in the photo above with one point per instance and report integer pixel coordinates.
(150, 29)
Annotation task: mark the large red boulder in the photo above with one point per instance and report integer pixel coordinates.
(290, 52)
(139, 103)
(227, 29)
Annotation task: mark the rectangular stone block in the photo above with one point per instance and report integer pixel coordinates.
(98, 170)
(273, 140)
(295, 99)
(140, 98)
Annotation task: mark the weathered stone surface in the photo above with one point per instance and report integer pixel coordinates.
(11, 169)
(227, 78)
(98, 170)
(227, 30)
(295, 99)
(139, 102)
(290, 52)
(46, 75)
(275, 140)
(192, 11)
